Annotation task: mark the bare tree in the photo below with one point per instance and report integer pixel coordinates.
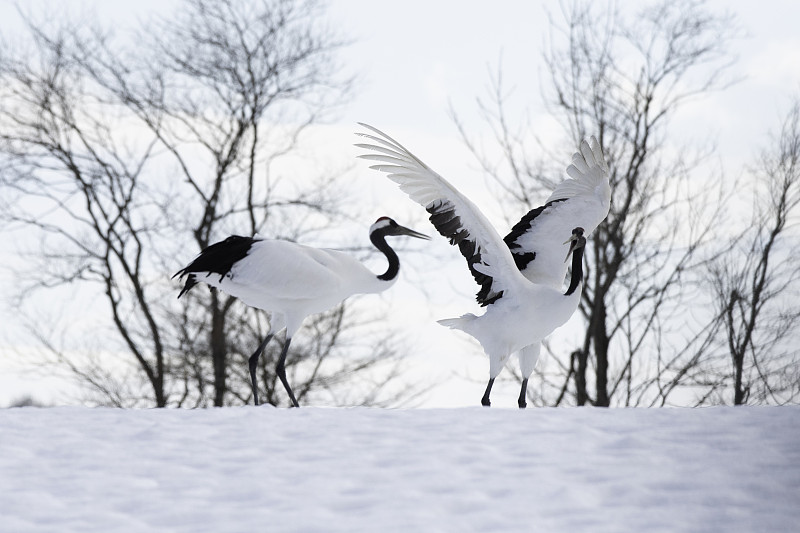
(756, 286)
(623, 80)
(127, 160)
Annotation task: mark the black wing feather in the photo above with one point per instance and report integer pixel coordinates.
(217, 258)
(448, 224)
(523, 257)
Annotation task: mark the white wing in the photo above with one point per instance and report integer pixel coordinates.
(582, 200)
(281, 270)
(278, 275)
(587, 172)
(453, 215)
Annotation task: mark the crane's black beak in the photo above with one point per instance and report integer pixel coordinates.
(401, 230)
(573, 243)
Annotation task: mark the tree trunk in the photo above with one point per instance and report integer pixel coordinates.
(579, 370)
(601, 341)
(739, 392)
(158, 390)
(219, 350)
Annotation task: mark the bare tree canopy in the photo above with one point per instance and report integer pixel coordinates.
(755, 285)
(127, 156)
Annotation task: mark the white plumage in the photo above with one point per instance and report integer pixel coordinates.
(521, 276)
(296, 281)
(291, 281)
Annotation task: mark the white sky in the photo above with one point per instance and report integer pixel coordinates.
(416, 56)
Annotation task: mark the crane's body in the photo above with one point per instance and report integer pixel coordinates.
(523, 324)
(293, 281)
(521, 276)
(290, 281)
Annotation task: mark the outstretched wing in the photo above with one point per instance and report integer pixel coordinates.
(582, 200)
(452, 214)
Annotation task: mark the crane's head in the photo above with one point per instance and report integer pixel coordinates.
(386, 226)
(576, 240)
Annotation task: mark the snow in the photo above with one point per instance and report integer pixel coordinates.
(468, 469)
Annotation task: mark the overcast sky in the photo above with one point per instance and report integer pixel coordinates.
(416, 57)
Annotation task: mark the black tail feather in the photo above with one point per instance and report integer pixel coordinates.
(191, 281)
(218, 258)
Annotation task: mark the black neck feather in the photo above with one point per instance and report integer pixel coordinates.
(577, 270)
(379, 240)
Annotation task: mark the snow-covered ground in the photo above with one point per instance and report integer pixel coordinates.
(470, 469)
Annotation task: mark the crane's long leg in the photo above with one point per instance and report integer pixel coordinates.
(523, 393)
(280, 369)
(527, 361)
(253, 361)
(485, 400)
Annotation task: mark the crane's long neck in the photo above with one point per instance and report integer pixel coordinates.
(577, 271)
(379, 241)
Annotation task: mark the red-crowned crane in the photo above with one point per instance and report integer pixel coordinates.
(520, 276)
(291, 281)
